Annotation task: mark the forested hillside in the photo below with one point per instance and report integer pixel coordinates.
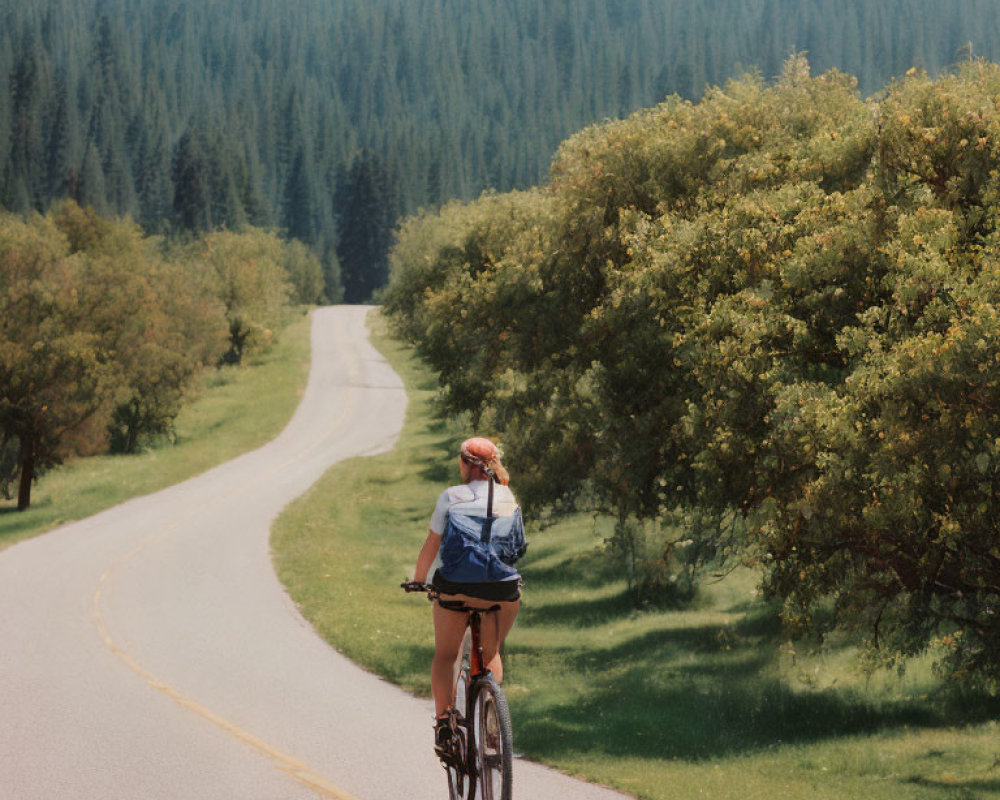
(330, 119)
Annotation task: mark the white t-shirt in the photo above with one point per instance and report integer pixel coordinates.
(471, 498)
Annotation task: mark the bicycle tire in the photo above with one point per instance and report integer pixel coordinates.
(493, 740)
(461, 783)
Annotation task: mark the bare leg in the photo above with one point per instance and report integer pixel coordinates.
(449, 629)
(495, 628)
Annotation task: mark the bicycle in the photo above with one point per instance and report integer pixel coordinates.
(489, 762)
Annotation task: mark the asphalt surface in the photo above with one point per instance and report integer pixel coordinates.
(150, 652)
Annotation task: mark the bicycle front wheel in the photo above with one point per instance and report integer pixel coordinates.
(493, 741)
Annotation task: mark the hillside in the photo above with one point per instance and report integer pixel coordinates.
(329, 120)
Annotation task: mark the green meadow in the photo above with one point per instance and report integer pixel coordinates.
(231, 410)
(704, 700)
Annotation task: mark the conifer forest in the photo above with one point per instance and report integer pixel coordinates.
(329, 120)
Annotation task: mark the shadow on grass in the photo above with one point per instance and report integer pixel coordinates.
(14, 523)
(958, 789)
(442, 470)
(577, 614)
(387, 478)
(691, 719)
(428, 383)
(683, 688)
(590, 569)
(443, 473)
(762, 621)
(690, 694)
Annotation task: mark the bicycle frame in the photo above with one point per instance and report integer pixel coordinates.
(480, 713)
(476, 666)
(474, 622)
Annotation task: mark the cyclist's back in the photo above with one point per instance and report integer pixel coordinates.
(462, 521)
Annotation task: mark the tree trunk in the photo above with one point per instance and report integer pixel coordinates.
(27, 472)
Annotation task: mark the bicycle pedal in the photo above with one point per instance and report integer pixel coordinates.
(452, 752)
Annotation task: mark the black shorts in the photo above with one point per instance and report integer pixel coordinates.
(494, 591)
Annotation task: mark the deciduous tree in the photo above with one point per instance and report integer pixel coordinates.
(55, 375)
(772, 315)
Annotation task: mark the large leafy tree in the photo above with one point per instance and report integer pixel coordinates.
(771, 315)
(56, 377)
(159, 319)
(102, 330)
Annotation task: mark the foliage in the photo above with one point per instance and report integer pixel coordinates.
(305, 273)
(247, 272)
(226, 113)
(777, 307)
(227, 411)
(157, 319)
(55, 373)
(102, 333)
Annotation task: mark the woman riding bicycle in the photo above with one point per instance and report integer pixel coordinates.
(485, 486)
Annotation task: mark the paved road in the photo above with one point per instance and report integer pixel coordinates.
(149, 651)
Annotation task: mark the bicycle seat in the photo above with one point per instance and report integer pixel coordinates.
(461, 606)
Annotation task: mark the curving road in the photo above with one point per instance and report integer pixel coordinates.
(149, 651)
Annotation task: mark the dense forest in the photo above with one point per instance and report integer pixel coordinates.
(328, 120)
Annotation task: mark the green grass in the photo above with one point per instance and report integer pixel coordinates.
(707, 701)
(233, 410)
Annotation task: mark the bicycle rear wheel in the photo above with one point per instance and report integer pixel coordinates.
(493, 740)
(461, 785)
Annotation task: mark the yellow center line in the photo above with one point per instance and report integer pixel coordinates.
(288, 764)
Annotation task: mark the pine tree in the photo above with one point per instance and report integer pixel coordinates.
(6, 66)
(64, 149)
(368, 213)
(191, 206)
(29, 86)
(251, 187)
(300, 203)
(90, 189)
(153, 166)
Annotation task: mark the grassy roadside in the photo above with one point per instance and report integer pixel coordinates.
(701, 702)
(234, 410)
